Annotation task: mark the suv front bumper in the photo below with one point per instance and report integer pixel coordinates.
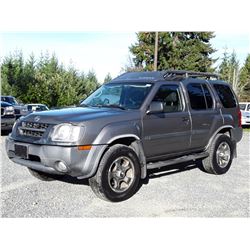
(45, 158)
(7, 123)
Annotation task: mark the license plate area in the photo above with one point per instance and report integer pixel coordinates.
(21, 151)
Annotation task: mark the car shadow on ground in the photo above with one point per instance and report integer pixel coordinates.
(74, 180)
(5, 132)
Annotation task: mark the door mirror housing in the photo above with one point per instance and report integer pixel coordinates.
(155, 107)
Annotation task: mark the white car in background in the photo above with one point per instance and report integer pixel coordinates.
(245, 110)
(36, 107)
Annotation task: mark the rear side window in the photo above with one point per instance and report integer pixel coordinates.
(200, 96)
(226, 96)
(208, 97)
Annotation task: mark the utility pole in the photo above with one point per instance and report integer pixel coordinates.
(156, 51)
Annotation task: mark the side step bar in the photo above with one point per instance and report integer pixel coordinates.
(185, 158)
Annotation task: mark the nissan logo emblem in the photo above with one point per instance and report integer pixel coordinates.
(37, 118)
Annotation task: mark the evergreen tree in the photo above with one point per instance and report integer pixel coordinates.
(176, 50)
(229, 71)
(245, 80)
(44, 80)
(107, 78)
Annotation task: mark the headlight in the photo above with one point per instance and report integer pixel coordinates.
(9, 108)
(66, 133)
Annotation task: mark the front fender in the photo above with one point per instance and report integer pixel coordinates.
(118, 130)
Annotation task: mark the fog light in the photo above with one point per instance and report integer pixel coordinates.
(61, 167)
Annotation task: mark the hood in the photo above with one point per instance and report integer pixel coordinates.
(5, 104)
(73, 115)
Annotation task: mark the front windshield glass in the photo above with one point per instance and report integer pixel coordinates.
(9, 99)
(125, 96)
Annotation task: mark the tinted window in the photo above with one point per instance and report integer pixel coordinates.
(243, 107)
(209, 99)
(196, 96)
(248, 107)
(226, 96)
(170, 96)
(9, 99)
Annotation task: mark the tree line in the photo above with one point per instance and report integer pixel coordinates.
(189, 51)
(45, 80)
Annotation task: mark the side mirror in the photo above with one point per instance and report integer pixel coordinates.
(155, 107)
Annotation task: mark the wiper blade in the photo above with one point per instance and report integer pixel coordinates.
(111, 106)
(84, 105)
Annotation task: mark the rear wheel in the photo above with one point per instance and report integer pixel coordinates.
(118, 175)
(220, 155)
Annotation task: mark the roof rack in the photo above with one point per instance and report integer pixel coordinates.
(172, 74)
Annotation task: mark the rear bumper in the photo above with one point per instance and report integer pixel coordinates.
(45, 158)
(245, 121)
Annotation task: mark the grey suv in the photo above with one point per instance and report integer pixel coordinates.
(136, 122)
(20, 109)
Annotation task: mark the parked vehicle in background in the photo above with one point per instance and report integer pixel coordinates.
(36, 107)
(20, 109)
(245, 110)
(8, 117)
(136, 122)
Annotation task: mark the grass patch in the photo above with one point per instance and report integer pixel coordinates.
(246, 129)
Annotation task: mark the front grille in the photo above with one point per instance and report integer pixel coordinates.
(17, 111)
(33, 129)
(2, 111)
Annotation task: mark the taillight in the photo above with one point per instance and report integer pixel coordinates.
(239, 118)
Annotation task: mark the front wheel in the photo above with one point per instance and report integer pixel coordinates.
(118, 175)
(220, 155)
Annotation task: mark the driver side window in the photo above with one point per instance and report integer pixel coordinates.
(169, 95)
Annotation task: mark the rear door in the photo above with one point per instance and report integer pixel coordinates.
(230, 108)
(167, 132)
(205, 116)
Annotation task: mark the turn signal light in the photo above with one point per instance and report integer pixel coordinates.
(86, 147)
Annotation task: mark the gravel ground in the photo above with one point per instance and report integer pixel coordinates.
(173, 192)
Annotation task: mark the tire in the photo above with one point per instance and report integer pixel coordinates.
(220, 155)
(43, 176)
(118, 174)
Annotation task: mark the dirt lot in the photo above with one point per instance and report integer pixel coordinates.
(174, 192)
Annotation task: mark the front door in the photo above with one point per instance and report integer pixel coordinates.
(167, 132)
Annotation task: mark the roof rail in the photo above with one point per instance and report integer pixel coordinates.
(185, 74)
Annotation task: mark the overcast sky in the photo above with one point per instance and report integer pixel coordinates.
(102, 51)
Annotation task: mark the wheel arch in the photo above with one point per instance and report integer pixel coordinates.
(134, 142)
(226, 130)
(222, 130)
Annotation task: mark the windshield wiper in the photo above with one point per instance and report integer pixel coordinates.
(84, 105)
(110, 106)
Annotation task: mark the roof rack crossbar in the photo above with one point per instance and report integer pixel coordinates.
(186, 74)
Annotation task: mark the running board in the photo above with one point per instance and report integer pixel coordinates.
(185, 158)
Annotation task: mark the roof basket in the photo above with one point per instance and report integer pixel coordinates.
(173, 74)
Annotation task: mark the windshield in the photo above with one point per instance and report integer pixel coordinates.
(125, 96)
(9, 99)
(37, 108)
